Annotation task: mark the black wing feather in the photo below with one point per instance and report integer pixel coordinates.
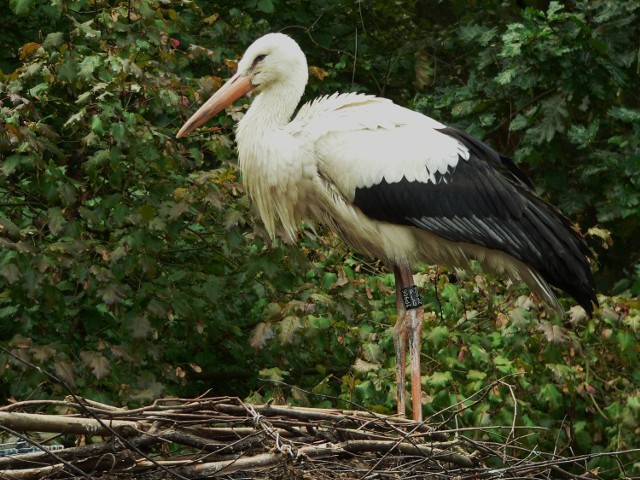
(486, 200)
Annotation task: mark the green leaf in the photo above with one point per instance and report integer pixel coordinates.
(87, 66)
(518, 123)
(68, 73)
(479, 354)
(329, 280)
(119, 133)
(554, 8)
(583, 136)
(506, 76)
(56, 220)
(439, 379)
(14, 162)
(118, 254)
(86, 31)
(626, 341)
(550, 395)
(96, 125)
(321, 323)
(8, 227)
(503, 364)
(39, 89)
(266, 6)
(95, 162)
(212, 288)
(476, 375)
(8, 311)
(68, 194)
(91, 216)
(437, 335)
(627, 115)
(274, 374)
(76, 117)
(373, 352)
(53, 40)
(21, 7)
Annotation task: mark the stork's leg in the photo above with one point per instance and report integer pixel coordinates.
(415, 336)
(408, 326)
(400, 345)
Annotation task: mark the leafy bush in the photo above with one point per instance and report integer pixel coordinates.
(107, 219)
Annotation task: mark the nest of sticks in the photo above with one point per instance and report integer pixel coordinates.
(226, 438)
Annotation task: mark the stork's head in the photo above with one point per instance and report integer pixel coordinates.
(273, 61)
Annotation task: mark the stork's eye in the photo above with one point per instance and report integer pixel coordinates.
(258, 59)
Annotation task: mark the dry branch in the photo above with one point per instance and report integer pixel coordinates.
(30, 422)
(227, 438)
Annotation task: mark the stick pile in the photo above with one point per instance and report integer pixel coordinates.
(226, 438)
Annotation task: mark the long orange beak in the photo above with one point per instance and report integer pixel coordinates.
(236, 87)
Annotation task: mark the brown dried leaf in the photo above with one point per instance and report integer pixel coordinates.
(362, 366)
(28, 48)
(577, 315)
(43, 353)
(261, 335)
(603, 234)
(66, 372)
(140, 327)
(11, 273)
(288, 329)
(121, 352)
(553, 333)
(211, 19)
(99, 365)
(178, 209)
(318, 72)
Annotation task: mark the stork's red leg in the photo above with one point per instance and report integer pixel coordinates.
(414, 318)
(408, 326)
(400, 345)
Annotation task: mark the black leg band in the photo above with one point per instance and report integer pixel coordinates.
(411, 297)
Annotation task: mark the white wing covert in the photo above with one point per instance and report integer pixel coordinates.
(359, 140)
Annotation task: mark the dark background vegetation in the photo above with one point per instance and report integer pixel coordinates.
(132, 265)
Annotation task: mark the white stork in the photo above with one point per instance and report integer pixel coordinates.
(394, 184)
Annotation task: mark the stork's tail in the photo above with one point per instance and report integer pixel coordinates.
(566, 262)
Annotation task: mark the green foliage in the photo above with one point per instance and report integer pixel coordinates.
(502, 364)
(106, 219)
(132, 265)
(558, 90)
